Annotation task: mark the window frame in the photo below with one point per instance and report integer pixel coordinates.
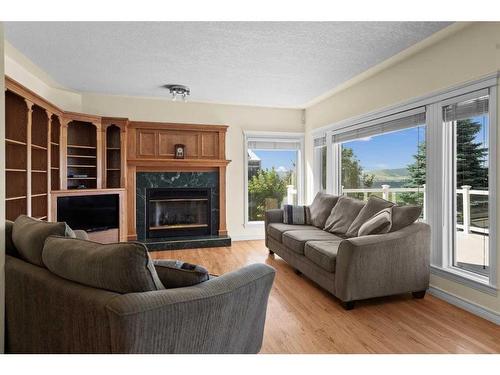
(273, 136)
(436, 185)
(449, 204)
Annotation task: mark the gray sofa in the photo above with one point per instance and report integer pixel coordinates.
(46, 313)
(353, 268)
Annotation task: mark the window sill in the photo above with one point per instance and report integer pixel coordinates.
(476, 282)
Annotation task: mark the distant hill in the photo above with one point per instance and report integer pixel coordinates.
(396, 177)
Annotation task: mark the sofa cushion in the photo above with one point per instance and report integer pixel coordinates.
(379, 223)
(179, 274)
(10, 248)
(343, 215)
(402, 216)
(373, 206)
(296, 239)
(120, 267)
(276, 230)
(29, 235)
(294, 214)
(323, 253)
(320, 208)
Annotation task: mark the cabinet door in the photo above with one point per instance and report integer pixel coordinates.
(167, 139)
(146, 143)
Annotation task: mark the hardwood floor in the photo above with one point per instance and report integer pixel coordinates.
(303, 318)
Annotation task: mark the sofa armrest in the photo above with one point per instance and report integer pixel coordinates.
(225, 314)
(384, 264)
(273, 216)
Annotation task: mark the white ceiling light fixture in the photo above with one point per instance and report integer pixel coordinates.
(178, 90)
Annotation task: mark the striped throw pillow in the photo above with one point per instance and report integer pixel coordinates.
(294, 214)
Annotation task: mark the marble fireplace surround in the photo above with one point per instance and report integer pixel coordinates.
(144, 180)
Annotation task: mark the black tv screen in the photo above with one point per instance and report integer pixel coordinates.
(89, 212)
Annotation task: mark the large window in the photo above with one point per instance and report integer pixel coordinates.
(466, 127)
(387, 159)
(273, 175)
(437, 151)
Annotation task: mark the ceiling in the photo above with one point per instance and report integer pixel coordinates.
(282, 64)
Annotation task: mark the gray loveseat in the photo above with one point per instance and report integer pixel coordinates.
(358, 267)
(46, 313)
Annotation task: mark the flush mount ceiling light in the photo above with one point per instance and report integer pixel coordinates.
(178, 90)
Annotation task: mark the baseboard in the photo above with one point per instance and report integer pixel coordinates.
(247, 237)
(466, 305)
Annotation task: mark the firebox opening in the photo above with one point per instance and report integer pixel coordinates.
(178, 212)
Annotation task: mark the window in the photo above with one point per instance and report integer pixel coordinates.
(438, 151)
(320, 164)
(466, 129)
(273, 175)
(387, 159)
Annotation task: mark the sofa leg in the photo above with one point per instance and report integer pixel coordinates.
(271, 252)
(348, 305)
(419, 294)
(297, 272)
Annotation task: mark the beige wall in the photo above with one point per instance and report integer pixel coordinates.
(470, 53)
(239, 118)
(2, 194)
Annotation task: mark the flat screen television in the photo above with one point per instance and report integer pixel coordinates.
(89, 212)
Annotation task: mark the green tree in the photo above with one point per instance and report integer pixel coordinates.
(265, 186)
(470, 162)
(352, 173)
(471, 156)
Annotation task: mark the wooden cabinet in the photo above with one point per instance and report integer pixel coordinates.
(114, 151)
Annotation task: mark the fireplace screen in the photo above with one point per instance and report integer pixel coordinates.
(178, 212)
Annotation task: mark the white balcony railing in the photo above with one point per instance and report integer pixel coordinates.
(390, 194)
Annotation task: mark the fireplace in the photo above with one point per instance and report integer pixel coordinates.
(178, 212)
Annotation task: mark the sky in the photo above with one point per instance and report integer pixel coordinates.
(281, 160)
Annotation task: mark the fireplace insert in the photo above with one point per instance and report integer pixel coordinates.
(178, 212)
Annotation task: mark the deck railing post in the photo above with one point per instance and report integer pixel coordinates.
(385, 191)
(466, 207)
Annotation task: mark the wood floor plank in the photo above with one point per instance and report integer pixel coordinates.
(303, 318)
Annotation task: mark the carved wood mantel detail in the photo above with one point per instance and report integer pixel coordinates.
(150, 148)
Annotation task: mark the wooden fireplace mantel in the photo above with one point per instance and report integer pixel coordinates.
(150, 148)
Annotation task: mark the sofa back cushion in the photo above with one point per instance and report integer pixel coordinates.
(402, 216)
(374, 205)
(28, 236)
(320, 209)
(120, 267)
(343, 214)
(379, 223)
(179, 274)
(10, 248)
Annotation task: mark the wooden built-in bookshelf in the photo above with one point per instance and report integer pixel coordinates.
(82, 162)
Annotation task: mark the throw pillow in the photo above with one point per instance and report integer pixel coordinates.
(29, 235)
(120, 267)
(374, 205)
(402, 216)
(178, 274)
(343, 214)
(379, 223)
(294, 214)
(320, 209)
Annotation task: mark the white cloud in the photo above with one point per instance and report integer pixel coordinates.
(281, 169)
